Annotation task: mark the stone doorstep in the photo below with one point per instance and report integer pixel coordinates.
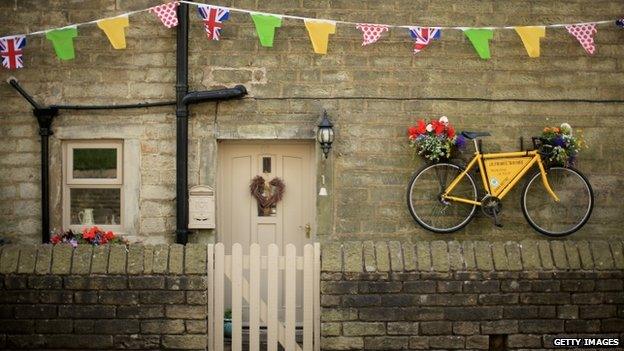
(227, 342)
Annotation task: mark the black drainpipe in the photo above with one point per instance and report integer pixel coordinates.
(182, 126)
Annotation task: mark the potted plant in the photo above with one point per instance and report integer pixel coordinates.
(227, 323)
(435, 141)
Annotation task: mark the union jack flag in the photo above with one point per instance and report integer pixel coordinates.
(213, 20)
(422, 36)
(11, 50)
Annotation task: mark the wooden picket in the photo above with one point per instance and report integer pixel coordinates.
(223, 268)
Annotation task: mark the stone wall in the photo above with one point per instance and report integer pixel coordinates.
(371, 93)
(470, 295)
(107, 298)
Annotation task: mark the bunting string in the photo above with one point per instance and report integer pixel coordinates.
(319, 31)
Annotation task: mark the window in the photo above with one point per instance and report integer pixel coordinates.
(93, 185)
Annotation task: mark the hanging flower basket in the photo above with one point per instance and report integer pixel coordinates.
(435, 141)
(559, 145)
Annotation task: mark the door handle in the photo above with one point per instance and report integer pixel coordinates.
(308, 229)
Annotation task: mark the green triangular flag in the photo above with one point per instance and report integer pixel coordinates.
(63, 42)
(480, 39)
(265, 27)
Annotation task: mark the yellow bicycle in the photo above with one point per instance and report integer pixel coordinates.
(556, 201)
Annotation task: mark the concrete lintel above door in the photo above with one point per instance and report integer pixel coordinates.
(228, 131)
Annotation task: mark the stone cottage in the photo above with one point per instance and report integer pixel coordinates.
(148, 171)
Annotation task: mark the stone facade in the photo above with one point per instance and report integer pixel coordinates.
(371, 93)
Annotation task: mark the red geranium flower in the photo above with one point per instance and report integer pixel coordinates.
(412, 132)
(109, 235)
(450, 131)
(422, 127)
(438, 127)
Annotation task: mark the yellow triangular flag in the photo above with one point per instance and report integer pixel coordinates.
(319, 32)
(531, 38)
(115, 30)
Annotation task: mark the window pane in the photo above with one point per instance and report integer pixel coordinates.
(95, 163)
(95, 206)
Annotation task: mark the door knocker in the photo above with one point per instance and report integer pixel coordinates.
(267, 195)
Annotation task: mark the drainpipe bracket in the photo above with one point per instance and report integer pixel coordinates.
(45, 116)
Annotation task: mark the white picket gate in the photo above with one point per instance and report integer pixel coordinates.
(282, 331)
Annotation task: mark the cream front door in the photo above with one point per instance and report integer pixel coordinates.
(239, 219)
(291, 221)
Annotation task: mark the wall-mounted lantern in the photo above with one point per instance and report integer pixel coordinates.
(325, 134)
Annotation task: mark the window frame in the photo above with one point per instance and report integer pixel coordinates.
(69, 182)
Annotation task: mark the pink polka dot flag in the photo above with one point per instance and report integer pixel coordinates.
(371, 32)
(166, 13)
(584, 33)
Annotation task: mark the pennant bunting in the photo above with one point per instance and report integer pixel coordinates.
(584, 33)
(114, 28)
(213, 20)
(167, 13)
(371, 32)
(620, 22)
(480, 39)
(11, 51)
(319, 32)
(63, 42)
(265, 27)
(423, 36)
(531, 39)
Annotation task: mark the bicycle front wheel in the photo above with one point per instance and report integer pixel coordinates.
(561, 218)
(425, 203)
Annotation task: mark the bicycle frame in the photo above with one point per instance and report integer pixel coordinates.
(516, 167)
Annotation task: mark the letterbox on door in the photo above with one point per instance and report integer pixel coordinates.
(201, 207)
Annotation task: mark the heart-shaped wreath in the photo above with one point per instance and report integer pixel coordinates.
(267, 196)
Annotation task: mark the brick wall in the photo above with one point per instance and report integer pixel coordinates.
(469, 295)
(371, 94)
(374, 295)
(107, 298)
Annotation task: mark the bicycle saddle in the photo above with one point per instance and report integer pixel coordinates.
(474, 135)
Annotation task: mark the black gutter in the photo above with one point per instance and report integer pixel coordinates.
(182, 126)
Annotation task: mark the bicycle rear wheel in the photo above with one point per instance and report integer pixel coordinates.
(426, 205)
(558, 218)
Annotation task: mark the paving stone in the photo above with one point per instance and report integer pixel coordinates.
(587, 262)
(195, 259)
(601, 253)
(352, 251)
(176, 259)
(500, 256)
(148, 259)
(409, 257)
(514, 258)
(396, 256)
(423, 256)
(383, 256)
(331, 257)
(559, 255)
(483, 256)
(572, 254)
(455, 256)
(618, 254)
(99, 262)
(543, 247)
(530, 255)
(9, 258)
(117, 259)
(469, 255)
(135, 259)
(81, 263)
(27, 259)
(61, 259)
(439, 256)
(161, 259)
